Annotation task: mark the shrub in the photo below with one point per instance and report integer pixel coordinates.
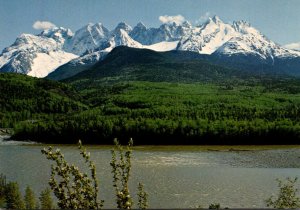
(121, 168)
(287, 197)
(214, 206)
(2, 190)
(73, 188)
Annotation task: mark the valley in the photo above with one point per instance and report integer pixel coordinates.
(214, 83)
(155, 98)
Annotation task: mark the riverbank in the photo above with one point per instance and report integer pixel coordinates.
(6, 131)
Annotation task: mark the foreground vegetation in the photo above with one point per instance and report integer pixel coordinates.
(75, 189)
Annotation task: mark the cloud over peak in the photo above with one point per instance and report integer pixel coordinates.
(203, 18)
(178, 19)
(43, 25)
(293, 46)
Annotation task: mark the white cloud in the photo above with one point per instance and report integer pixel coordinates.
(178, 19)
(293, 46)
(42, 25)
(203, 18)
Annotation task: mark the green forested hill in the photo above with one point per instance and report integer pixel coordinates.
(155, 98)
(27, 98)
(130, 64)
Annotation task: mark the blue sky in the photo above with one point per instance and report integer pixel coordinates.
(277, 19)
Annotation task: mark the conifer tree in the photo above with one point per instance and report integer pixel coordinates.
(46, 201)
(13, 196)
(29, 199)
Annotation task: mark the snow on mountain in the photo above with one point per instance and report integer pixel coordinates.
(60, 35)
(88, 39)
(250, 41)
(127, 28)
(95, 37)
(121, 37)
(207, 38)
(38, 55)
(171, 32)
(90, 58)
(45, 63)
(166, 32)
(239, 38)
(162, 46)
(25, 54)
(141, 34)
(115, 38)
(77, 65)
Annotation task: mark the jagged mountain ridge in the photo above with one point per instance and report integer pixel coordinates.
(38, 55)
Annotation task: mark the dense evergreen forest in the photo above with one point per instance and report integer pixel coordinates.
(223, 107)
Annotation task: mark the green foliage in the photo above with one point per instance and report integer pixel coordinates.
(287, 197)
(214, 206)
(121, 172)
(46, 199)
(13, 196)
(73, 188)
(168, 113)
(142, 197)
(29, 198)
(209, 105)
(2, 190)
(23, 98)
(121, 166)
(128, 64)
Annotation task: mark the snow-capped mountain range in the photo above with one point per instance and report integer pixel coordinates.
(39, 55)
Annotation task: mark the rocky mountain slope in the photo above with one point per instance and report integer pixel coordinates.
(58, 48)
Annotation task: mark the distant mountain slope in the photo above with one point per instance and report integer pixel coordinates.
(76, 66)
(128, 64)
(82, 63)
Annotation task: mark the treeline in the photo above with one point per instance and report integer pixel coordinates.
(162, 131)
(172, 113)
(31, 99)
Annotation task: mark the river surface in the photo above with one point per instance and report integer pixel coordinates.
(174, 177)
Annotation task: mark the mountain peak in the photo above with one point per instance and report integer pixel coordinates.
(186, 24)
(87, 39)
(124, 26)
(216, 19)
(141, 25)
(121, 37)
(59, 34)
(100, 25)
(89, 25)
(245, 28)
(240, 24)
